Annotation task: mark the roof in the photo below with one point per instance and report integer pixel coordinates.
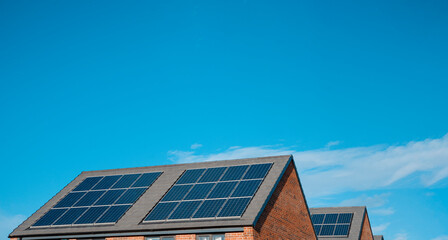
(378, 237)
(356, 223)
(131, 221)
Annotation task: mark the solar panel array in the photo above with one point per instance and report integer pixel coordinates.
(210, 193)
(332, 224)
(98, 200)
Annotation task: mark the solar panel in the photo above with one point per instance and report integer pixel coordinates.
(331, 218)
(91, 215)
(110, 197)
(317, 229)
(327, 230)
(113, 214)
(332, 224)
(341, 230)
(177, 193)
(185, 210)
(87, 184)
(126, 181)
(70, 216)
(222, 190)
(234, 173)
(212, 175)
(106, 182)
(257, 171)
(89, 198)
(345, 217)
(199, 191)
(70, 199)
(50, 217)
(190, 176)
(131, 196)
(161, 211)
(98, 200)
(146, 179)
(209, 208)
(317, 218)
(210, 193)
(246, 188)
(234, 207)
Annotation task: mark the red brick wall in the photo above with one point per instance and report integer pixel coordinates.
(366, 232)
(186, 237)
(286, 215)
(248, 234)
(127, 238)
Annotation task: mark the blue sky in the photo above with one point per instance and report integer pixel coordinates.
(357, 91)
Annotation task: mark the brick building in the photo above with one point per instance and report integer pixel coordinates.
(350, 223)
(246, 199)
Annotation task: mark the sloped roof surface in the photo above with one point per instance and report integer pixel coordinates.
(132, 219)
(356, 224)
(378, 237)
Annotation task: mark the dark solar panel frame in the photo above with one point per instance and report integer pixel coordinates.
(232, 201)
(332, 224)
(90, 204)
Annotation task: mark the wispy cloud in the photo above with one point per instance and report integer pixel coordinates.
(383, 211)
(401, 236)
(332, 143)
(358, 168)
(380, 228)
(444, 237)
(374, 201)
(8, 223)
(196, 146)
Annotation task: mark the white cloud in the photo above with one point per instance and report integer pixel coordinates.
(380, 228)
(8, 223)
(332, 143)
(374, 201)
(401, 236)
(196, 146)
(358, 168)
(444, 237)
(383, 211)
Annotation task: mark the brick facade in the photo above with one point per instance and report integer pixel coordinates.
(366, 232)
(286, 215)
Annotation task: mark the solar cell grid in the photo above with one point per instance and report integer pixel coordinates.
(109, 197)
(246, 188)
(185, 210)
(70, 199)
(317, 218)
(234, 173)
(210, 193)
(91, 215)
(332, 224)
(87, 184)
(341, 230)
(212, 174)
(209, 208)
(70, 216)
(257, 171)
(222, 190)
(98, 200)
(113, 214)
(327, 230)
(106, 182)
(126, 181)
(234, 207)
(199, 191)
(330, 218)
(190, 176)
